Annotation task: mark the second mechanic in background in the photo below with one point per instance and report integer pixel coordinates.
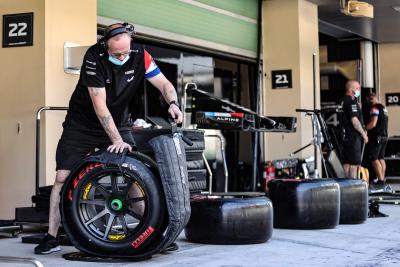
(377, 127)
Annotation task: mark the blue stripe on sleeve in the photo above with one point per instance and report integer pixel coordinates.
(152, 73)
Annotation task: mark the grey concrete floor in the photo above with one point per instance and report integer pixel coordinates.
(374, 243)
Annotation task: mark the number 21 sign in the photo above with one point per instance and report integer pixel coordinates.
(281, 79)
(18, 30)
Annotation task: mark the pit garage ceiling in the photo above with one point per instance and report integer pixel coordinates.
(383, 28)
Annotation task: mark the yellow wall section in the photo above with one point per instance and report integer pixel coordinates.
(290, 37)
(389, 58)
(32, 77)
(66, 21)
(21, 93)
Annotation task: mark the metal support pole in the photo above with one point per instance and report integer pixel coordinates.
(210, 175)
(222, 143)
(315, 105)
(37, 168)
(184, 101)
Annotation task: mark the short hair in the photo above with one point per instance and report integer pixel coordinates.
(350, 83)
(114, 26)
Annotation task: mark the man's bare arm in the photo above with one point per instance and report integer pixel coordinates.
(166, 88)
(98, 96)
(357, 125)
(168, 91)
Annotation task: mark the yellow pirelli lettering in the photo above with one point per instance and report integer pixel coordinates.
(86, 191)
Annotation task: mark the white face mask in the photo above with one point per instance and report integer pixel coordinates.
(357, 93)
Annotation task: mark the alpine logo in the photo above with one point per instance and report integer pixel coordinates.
(139, 241)
(129, 72)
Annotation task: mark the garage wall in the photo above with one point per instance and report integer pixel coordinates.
(290, 37)
(21, 93)
(32, 77)
(64, 23)
(389, 58)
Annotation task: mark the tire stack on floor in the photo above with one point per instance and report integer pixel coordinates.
(248, 218)
(197, 172)
(318, 203)
(353, 201)
(230, 218)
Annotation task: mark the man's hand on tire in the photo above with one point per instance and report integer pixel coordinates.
(119, 147)
(175, 113)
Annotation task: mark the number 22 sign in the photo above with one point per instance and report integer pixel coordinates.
(281, 79)
(18, 30)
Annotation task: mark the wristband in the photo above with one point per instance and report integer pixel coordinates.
(174, 102)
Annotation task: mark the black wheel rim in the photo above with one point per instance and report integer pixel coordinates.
(112, 206)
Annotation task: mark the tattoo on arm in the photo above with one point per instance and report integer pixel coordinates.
(95, 90)
(357, 125)
(108, 124)
(98, 97)
(169, 93)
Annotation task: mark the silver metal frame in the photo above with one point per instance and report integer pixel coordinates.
(37, 168)
(222, 143)
(210, 175)
(184, 101)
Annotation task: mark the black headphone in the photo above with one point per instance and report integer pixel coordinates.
(108, 34)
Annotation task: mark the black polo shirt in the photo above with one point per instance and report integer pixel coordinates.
(380, 130)
(349, 108)
(121, 84)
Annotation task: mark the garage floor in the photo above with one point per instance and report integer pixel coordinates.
(374, 243)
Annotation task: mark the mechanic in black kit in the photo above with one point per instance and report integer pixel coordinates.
(352, 125)
(111, 73)
(377, 135)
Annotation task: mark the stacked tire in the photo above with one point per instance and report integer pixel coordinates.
(318, 203)
(197, 172)
(305, 204)
(353, 201)
(228, 218)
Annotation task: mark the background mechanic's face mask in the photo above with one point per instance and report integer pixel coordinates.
(357, 93)
(118, 62)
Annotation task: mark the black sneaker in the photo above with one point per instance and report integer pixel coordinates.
(47, 245)
(173, 247)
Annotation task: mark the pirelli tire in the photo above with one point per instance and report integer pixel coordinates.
(114, 211)
(230, 219)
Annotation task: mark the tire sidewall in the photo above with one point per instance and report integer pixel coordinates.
(154, 214)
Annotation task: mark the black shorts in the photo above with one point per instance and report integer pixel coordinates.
(352, 147)
(74, 145)
(376, 150)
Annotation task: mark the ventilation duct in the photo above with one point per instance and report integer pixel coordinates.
(349, 69)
